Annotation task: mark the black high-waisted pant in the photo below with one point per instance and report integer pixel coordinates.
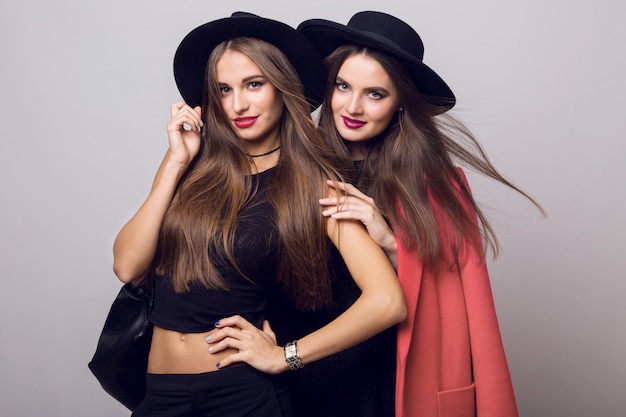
(232, 392)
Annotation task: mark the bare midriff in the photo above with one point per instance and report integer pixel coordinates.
(174, 352)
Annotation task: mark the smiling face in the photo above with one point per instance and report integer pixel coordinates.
(251, 103)
(364, 99)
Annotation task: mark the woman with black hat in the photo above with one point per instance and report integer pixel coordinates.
(383, 108)
(233, 213)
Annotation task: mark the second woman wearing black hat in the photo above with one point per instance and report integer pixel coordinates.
(232, 214)
(383, 109)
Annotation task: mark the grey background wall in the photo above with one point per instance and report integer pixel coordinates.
(85, 89)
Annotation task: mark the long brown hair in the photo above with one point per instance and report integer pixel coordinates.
(204, 211)
(413, 161)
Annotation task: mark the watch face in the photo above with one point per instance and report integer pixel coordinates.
(292, 357)
(290, 350)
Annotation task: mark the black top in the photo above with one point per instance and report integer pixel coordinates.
(256, 251)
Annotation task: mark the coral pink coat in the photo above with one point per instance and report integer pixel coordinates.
(450, 357)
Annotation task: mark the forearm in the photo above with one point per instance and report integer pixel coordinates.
(368, 316)
(135, 245)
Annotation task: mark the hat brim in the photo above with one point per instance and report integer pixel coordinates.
(326, 36)
(193, 53)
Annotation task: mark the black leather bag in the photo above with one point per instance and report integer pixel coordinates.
(121, 357)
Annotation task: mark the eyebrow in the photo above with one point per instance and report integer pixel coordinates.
(253, 77)
(245, 80)
(382, 89)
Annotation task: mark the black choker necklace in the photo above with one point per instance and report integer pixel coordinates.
(262, 154)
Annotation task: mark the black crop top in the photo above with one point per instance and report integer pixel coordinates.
(256, 252)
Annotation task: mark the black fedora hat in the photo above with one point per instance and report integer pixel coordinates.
(194, 50)
(385, 33)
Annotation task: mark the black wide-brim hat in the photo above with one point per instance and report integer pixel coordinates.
(193, 53)
(388, 34)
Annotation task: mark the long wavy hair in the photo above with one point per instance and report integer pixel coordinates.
(203, 215)
(412, 165)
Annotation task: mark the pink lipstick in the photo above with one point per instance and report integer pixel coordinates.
(243, 122)
(352, 123)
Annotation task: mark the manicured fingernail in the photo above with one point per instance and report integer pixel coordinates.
(217, 323)
(208, 338)
(217, 365)
(211, 349)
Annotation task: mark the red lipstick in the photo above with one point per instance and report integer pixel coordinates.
(243, 122)
(352, 123)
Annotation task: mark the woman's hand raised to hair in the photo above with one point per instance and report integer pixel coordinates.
(184, 132)
(358, 206)
(136, 244)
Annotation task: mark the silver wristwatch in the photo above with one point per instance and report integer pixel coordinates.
(292, 356)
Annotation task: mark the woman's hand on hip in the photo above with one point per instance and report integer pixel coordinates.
(257, 348)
